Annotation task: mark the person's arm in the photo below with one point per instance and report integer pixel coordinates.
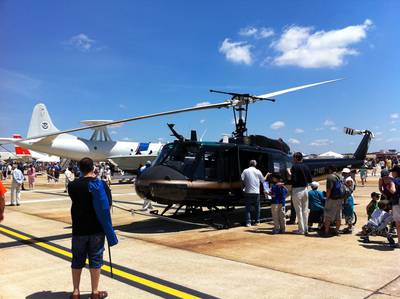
(392, 188)
(328, 188)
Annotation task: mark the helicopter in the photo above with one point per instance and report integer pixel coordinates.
(199, 174)
(193, 173)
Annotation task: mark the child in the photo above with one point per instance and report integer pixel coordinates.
(316, 203)
(348, 208)
(278, 201)
(373, 204)
(378, 223)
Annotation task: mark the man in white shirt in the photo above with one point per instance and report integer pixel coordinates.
(251, 179)
(17, 180)
(69, 177)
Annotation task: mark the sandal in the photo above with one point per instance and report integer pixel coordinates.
(99, 295)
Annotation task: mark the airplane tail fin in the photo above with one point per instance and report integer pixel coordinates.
(40, 122)
(362, 148)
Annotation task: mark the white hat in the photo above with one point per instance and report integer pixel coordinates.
(314, 184)
(349, 179)
(346, 170)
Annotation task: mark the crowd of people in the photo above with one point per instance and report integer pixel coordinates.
(311, 206)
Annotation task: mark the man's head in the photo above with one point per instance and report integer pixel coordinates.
(86, 166)
(395, 171)
(298, 157)
(346, 172)
(332, 169)
(253, 163)
(385, 173)
(349, 182)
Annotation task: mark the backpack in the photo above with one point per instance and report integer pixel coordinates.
(340, 190)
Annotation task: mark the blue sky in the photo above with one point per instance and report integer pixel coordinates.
(111, 60)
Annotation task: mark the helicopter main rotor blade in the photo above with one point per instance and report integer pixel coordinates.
(279, 92)
(121, 121)
(226, 104)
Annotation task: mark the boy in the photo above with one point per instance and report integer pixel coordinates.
(348, 208)
(278, 193)
(373, 204)
(316, 203)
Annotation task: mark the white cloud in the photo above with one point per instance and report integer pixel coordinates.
(293, 141)
(329, 123)
(318, 129)
(394, 116)
(237, 52)
(81, 42)
(393, 130)
(113, 132)
(334, 128)
(258, 33)
(122, 106)
(321, 142)
(298, 131)
(201, 104)
(277, 125)
(306, 48)
(202, 121)
(126, 138)
(378, 133)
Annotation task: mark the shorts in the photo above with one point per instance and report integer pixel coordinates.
(87, 246)
(396, 213)
(333, 209)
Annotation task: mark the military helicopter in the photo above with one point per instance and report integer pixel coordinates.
(197, 174)
(194, 173)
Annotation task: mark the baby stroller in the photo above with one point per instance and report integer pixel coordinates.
(378, 226)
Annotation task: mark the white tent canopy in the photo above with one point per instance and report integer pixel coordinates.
(330, 154)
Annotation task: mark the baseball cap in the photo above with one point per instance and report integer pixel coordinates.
(314, 184)
(346, 170)
(396, 168)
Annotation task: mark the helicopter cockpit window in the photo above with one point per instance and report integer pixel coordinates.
(180, 157)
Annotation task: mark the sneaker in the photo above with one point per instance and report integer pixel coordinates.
(248, 225)
(391, 240)
(18, 204)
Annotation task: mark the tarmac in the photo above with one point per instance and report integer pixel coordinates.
(159, 258)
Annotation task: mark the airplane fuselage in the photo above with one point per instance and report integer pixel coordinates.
(75, 148)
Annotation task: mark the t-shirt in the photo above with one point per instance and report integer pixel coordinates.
(301, 175)
(331, 180)
(251, 178)
(316, 201)
(84, 219)
(279, 193)
(3, 189)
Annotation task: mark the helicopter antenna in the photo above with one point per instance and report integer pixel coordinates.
(240, 109)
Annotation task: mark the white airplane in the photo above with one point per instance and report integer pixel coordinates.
(100, 147)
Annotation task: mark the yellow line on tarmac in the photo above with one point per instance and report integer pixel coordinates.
(116, 271)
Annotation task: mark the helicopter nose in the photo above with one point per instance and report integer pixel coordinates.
(156, 178)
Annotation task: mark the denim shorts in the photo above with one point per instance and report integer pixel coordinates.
(88, 246)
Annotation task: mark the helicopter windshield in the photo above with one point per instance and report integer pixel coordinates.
(179, 156)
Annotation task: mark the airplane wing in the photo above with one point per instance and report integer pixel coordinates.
(226, 104)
